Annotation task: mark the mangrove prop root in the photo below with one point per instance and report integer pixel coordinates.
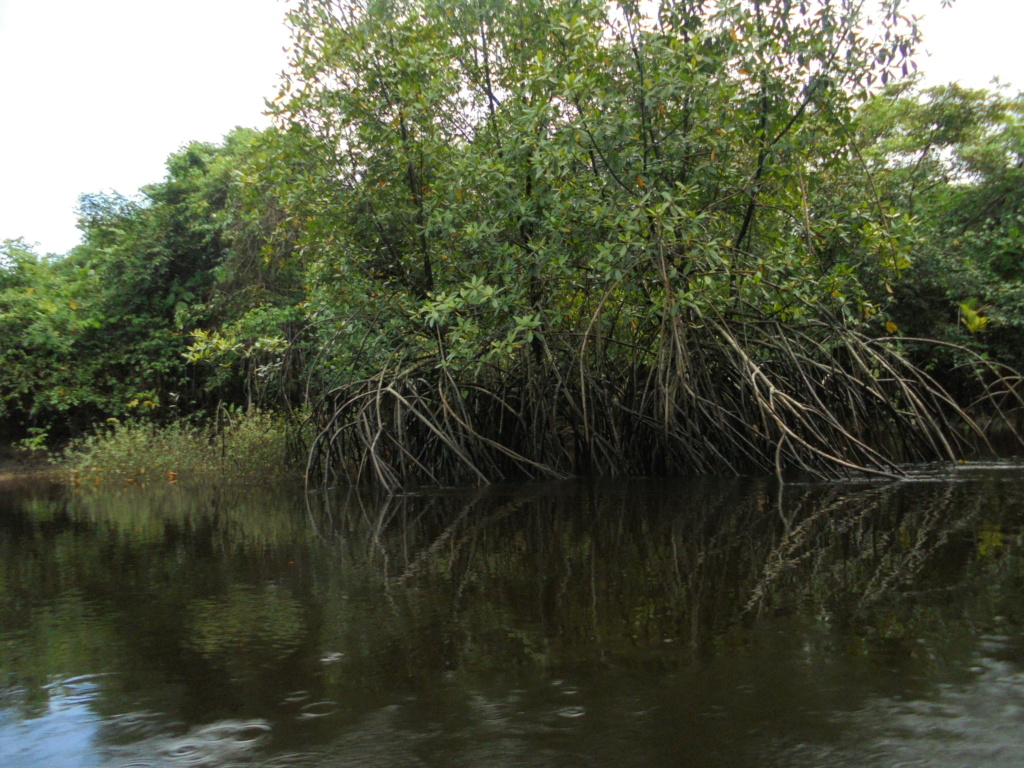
(718, 396)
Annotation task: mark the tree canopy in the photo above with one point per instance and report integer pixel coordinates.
(953, 159)
(600, 236)
(103, 331)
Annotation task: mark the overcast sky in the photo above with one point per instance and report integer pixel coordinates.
(95, 94)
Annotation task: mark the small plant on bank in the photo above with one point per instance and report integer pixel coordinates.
(36, 443)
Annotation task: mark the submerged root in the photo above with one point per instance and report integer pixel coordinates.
(721, 396)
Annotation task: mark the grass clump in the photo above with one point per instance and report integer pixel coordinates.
(251, 446)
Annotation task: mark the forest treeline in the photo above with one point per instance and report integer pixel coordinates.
(492, 239)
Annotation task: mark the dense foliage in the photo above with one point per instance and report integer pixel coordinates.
(580, 236)
(103, 331)
(953, 159)
(552, 236)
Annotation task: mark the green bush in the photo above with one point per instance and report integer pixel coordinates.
(237, 446)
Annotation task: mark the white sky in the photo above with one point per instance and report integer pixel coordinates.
(971, 42)
(95, 94)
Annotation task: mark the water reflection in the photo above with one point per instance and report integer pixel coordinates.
(61, 733)
(706, 622)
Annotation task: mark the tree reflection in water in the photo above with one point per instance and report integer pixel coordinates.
(703, 622)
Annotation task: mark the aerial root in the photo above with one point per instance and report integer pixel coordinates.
(724, 396)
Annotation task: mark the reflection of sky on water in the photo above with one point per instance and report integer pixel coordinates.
(980, 725)
(61, 738)
(69, 735)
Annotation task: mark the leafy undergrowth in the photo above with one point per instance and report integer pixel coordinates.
(242, 447)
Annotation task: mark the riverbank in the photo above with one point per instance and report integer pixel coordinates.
(16, 464)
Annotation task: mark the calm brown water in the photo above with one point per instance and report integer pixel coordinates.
(698, 623)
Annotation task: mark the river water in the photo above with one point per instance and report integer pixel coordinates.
(709, 622)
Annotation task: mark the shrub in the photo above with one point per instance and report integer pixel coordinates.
(237, 446)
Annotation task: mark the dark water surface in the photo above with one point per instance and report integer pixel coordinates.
(698, 623)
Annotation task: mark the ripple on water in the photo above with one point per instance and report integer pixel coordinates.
(317, 709)
(75, 690)
(571, 712)
(294, 760)
(212, 744)
(135, 724)
(297, 697)
(73, 683)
